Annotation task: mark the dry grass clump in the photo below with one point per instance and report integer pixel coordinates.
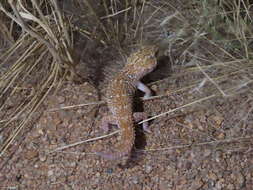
(37, 57)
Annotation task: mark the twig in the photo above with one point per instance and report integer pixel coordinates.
(76, 106)
(212, 81)
(198, 144)
(112, 15)
(85, 141)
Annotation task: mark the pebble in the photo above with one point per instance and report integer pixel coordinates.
(42, 157)
(220, 184)
(197, 184)
(109, 171)
(207, 152)
(50, 173)
(31, 154)
(148, 169)
(135, 180)
(240, 180)
(230, 186)
(212, 176)
(61, 99)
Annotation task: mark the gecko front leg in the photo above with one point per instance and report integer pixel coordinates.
(142, 87)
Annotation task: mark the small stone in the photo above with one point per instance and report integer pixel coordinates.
(148, 169)
(197, 184)
(109, 171)
(56, 121)
(42, 157)
(41, 132)
(61, 99)
(72, 164)
(154, 87)
(212, 176)
(207, 152)
(240, 180)
(220, 184)
(218, 120)
(135, 180)
(230, 186)
(218, 156)
(188, 165)
(30, 154)
(221, 136)
(50, 173)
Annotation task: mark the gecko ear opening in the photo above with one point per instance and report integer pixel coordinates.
(156, 53)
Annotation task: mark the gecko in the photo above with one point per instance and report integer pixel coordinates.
(119, 99)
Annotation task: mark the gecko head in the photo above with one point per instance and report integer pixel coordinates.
(142, 62)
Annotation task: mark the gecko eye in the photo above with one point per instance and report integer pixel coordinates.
(151, 56)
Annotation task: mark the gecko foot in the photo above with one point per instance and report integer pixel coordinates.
(142, 87)
(106, 121)
(138, 116)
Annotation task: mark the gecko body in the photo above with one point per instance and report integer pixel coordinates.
(119, 98)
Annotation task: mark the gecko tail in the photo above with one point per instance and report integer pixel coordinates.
(124, 148)
(112, 155)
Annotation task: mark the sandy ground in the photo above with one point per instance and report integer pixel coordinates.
(204, 144)
(197, 147)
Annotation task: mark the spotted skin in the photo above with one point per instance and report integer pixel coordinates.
(119, 99)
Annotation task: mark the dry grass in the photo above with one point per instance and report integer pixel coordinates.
(212, 39)
(41, 54)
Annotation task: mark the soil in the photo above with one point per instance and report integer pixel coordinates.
(200, 140)
(203, 146)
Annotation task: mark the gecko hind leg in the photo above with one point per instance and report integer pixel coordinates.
(106, 121)
(138, 116)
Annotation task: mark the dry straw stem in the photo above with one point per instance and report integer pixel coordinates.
(96, 17)
(88, 34)
(237, 139)
(116, 13)
(6, 33)
(85, 141)
(76, 106)
(210, 79)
